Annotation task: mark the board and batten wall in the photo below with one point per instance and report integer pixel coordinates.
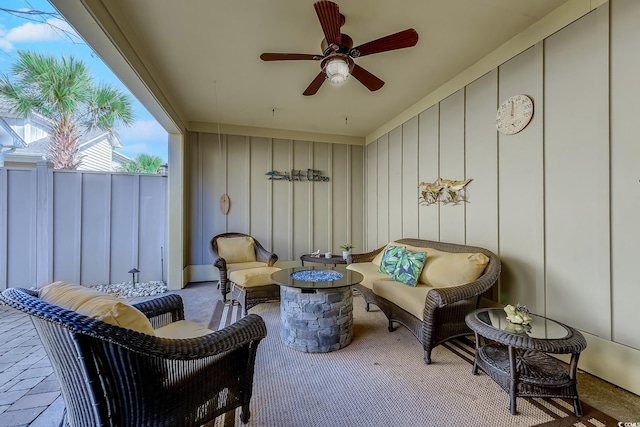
(289, 218)
(83, 227)
(558, 201)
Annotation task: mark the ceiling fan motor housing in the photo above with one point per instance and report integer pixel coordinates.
(346, 43)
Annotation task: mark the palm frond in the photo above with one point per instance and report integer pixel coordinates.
(62, 90)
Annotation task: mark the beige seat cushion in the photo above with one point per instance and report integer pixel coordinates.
(409, 298)
(97, 305)
(245, 266)
(182, 329)
(253, 277)
(370, 272)
(236, 249)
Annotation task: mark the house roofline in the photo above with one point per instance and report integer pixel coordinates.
(14, 135)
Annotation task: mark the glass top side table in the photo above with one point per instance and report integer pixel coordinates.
(517, 358)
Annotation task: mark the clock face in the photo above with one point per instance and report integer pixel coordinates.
(514, 114)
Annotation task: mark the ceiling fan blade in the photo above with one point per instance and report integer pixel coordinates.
(289, 57)
(406, 38)
(370, 81)
(312, 89)
(329, 16)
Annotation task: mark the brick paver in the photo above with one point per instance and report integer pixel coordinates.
(28, 387)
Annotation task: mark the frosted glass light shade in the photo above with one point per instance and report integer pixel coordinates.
(337, 71)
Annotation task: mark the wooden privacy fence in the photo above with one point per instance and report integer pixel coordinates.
(78, 226)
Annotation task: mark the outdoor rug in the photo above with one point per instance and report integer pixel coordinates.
(380, 379)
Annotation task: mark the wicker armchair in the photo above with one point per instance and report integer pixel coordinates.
(445, 308)
(111, 376)
(263, 257)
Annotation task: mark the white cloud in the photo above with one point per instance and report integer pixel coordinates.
(144, 137)
(5, 45)
(143, 130)
(52, 30)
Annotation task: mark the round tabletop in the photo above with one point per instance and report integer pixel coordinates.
(541, 334)
(316, 277)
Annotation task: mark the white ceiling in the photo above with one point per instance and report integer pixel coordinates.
(203, 55)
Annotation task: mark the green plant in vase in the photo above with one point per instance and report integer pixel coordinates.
(346, 250)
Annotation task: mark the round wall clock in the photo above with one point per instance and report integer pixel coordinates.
(514, 114)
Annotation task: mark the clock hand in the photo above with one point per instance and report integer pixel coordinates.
(511, 108)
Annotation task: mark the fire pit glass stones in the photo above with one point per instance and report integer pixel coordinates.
(316, 307)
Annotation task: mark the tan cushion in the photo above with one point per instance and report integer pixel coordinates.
(245, 265)
(410, 298)
(253, 276)
(182, 329)
(370, 272)
(236, 249)
(447, 269)
(97, 305)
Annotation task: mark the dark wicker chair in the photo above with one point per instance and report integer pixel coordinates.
(111, 376)
(445, 308)
(262, 255)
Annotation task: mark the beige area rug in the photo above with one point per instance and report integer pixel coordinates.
(380, 379)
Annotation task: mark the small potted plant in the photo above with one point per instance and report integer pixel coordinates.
(346, 250)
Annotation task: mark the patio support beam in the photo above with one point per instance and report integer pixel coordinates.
(175, 227)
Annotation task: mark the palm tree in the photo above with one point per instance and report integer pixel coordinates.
(62, 91)
(144, 163)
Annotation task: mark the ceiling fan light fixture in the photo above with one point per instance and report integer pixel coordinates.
(337, 71)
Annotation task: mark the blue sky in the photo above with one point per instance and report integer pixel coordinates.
(16, 33)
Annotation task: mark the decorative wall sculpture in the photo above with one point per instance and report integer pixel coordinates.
(443, 191)
(297, 175)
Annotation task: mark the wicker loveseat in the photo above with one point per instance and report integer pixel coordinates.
(113, 376)
(433, 313)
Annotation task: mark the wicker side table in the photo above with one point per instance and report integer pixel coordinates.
(517, 358)
(335, 259)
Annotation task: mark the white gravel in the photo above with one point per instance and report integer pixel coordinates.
(128, 290)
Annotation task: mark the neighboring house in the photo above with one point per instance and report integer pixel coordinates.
(9, 140)
(29, 142)
(118, 160)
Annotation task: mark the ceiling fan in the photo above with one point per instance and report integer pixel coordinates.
(338, 51)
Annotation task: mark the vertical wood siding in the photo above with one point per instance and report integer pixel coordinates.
(558, 201)
(290, 218)
(85, 227)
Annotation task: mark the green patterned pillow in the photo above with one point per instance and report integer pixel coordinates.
(409, 267)
(390, 258)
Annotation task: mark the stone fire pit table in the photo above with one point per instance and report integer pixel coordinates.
(316, 307)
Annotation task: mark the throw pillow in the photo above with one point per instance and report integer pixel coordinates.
(97, 305)
(390, 258)
(376, 260)
(447, 269)
(409, 267)
(236, 249)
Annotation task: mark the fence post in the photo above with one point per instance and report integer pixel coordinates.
(4, 190)
(44, 255)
